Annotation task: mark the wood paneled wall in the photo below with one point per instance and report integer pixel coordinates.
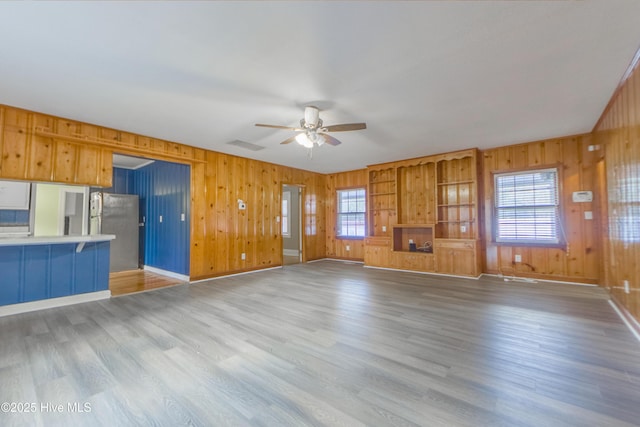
(39, 147)
(579, 261)
(337, 247)
(618, 133)
(221, 232)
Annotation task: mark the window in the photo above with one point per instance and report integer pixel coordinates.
(351, 213)
(286, 203)
(527, 207)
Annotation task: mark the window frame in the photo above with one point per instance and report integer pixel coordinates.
(560, 241)
(339, 213)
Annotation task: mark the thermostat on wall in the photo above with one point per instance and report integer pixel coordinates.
(582, 196)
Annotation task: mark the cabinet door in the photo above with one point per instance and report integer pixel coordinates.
(13, 144)
(377, 256)
(456, 257)
(415, 261)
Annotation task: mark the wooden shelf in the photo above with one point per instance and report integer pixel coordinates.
(418, 233)
(410, 197)
(457, 182)
(414, 252)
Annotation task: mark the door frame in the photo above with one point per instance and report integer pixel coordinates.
(301, 252)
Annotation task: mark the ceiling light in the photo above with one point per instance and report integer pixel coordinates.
(317, 139)
(304, 140)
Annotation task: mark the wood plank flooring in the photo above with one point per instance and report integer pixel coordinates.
(127, 282)
(326, 343)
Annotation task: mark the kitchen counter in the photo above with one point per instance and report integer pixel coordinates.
(36, 268)
(17, 240)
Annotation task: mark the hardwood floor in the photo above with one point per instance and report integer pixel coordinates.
(327, 343)
(127, 282)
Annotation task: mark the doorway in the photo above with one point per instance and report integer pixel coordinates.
(291, 224)
(73, 213)
(162, 235)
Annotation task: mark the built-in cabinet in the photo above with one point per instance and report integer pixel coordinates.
(423, 214)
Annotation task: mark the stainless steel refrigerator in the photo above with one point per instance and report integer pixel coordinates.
(117, 214)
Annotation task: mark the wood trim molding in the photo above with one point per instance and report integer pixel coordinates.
(118, 147)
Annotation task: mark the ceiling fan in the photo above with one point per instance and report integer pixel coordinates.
(312, 131)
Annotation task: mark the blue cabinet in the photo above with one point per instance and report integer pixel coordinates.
(42, 271)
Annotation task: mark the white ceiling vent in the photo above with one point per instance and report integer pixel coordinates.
(245, 144)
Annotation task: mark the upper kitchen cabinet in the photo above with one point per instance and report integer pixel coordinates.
(28, 153)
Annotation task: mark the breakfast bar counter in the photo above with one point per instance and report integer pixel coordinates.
(34, 268)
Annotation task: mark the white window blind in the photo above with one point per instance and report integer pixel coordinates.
(351, 213)
(527, 207)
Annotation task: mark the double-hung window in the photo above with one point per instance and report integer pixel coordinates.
(286, 210)
(351, 213)
(527, 207)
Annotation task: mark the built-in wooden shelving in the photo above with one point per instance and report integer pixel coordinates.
(429, 202)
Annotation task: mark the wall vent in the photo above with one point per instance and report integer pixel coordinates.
(247, 145)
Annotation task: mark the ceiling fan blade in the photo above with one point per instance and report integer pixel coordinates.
(278, 127)
(289, 140)
(345, 127)
(328, 139)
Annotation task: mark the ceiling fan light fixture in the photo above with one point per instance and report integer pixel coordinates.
(304, 140)
(311, 116)
(318, 139)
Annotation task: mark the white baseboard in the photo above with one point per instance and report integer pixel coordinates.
(535, 280)
(430, 273)
(167, 273)
(291, 252)
(346, 261)
(25, 307)
(260, 270)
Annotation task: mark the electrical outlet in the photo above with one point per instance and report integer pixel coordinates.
(588, 215)
(384, 228)
(160, 218)
(348, 248)
(626, 286)
(517, 258)
(182, 217)
(243, 256)
(463, 228)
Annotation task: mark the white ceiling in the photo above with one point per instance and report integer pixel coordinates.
(426, 77)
